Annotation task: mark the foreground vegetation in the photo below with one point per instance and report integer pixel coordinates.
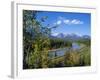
(72, 58)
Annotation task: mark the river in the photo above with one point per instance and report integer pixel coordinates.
(61, 52)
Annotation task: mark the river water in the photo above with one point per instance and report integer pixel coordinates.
(61, 52)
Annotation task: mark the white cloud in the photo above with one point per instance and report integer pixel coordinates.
(68, 21)
(58, 22)
(75, 21)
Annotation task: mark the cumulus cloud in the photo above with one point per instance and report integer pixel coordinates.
(75, 21)
(68, 21)
(59, 22)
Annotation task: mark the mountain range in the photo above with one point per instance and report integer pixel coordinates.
(70, 36)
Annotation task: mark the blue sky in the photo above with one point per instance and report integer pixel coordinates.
(68, 22)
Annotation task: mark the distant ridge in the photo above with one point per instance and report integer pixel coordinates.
(70, 36)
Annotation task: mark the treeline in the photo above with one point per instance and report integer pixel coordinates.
(86, 42)
(59, 43)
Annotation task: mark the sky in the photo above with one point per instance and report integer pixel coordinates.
(68, 22)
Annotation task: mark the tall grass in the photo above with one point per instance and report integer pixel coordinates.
(78, 58)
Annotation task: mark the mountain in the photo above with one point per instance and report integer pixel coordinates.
(61, 35)
(70, 36)
(86, 36)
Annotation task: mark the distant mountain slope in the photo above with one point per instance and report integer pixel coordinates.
(70, 36)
